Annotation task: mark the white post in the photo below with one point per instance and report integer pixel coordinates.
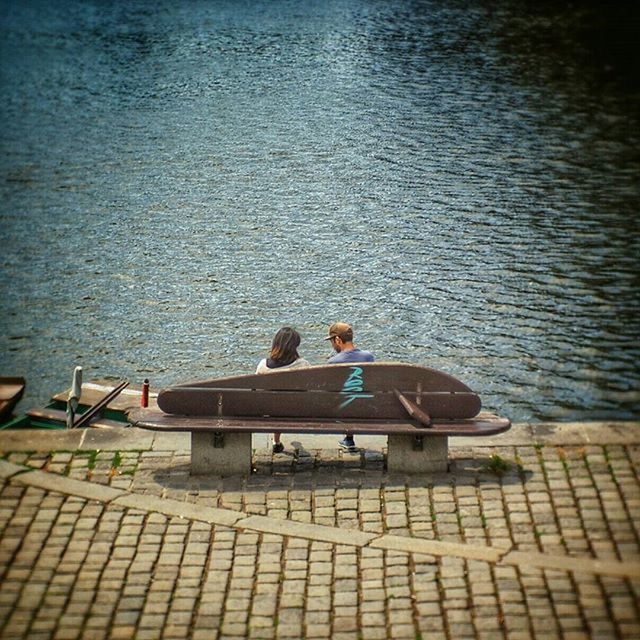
(74, 397)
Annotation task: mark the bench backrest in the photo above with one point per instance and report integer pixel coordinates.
(345, 391)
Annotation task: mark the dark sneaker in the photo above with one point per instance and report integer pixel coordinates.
(278, 447)
(348, 444)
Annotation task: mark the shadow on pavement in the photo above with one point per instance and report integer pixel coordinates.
(300, 470)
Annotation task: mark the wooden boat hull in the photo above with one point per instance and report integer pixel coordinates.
(11, 391)
(53, 416)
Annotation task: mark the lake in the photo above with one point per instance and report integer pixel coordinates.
(457, 179)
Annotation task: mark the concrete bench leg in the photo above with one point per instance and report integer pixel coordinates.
(225, 454)
(428, 454)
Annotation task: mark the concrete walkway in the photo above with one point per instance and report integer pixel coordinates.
(532, 534)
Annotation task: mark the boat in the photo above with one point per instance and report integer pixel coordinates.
(113, 414)
(11, 390)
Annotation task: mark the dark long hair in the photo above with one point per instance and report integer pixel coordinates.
(284, 348)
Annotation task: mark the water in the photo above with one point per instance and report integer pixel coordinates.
(458, 180)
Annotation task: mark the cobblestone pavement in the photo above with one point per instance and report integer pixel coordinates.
(534, 534)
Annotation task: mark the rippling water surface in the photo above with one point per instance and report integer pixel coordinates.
(458, 180)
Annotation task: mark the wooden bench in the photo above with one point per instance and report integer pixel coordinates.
(417, 408)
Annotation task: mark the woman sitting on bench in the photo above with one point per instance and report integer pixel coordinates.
(283, 355)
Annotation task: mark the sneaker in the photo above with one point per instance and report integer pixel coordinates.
(347, 444)
(278, 447)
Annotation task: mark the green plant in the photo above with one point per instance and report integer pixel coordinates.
(117, 460)
(93, 456)
(497, 465)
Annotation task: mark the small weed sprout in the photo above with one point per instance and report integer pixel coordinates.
(93, 456)
(497, 465)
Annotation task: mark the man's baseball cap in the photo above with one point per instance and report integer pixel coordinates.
(340, 330)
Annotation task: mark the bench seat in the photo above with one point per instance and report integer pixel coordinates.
(484, 424)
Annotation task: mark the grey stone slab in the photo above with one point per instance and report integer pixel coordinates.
(581, 433)
(171, 441)
(68, 486)
(557, 434)
(574, 564)
(126, 438)
(307, 531)
(8, 469)
(612, 432)
(187, 510)
(567, 434)
(438, 548)
(40, 440)
(519, 435)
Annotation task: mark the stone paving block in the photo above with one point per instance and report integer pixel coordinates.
(117, 439)
(437, 548)
(568, 563)
(68, 486)
(33, 440)
(174, 508)
(303, 530)
(9, 469)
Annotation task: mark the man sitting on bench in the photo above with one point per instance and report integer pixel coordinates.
(341, 336)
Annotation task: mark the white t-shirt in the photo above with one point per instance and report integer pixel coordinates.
(296, 364)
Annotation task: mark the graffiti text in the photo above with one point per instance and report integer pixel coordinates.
(354, 387)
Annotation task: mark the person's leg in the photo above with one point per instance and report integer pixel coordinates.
(278, 447)
(347, 442)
